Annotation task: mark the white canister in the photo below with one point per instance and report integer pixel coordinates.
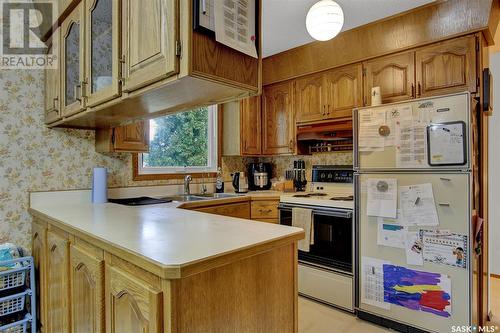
(376, 96)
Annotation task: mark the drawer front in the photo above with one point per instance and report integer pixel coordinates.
(241, 210)
(265, 209)
(275, 221)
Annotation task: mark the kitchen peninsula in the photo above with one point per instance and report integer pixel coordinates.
(159, 268)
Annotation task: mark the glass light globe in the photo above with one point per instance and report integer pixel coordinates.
(324, 20)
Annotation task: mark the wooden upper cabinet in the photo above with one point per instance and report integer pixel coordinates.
(394, 74)
(58, 307)
(446, 67)
(102, 40)
(344, 91)
(149, 31)
(132, 138)
(73, 84)
(87, 291)
(39, 253)
(250, 126)
(52, 83)
(310, 98)
(131, 305)
(278, 119)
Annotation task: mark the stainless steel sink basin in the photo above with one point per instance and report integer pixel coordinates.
(183, 198)
(200, 196)
(216, 195)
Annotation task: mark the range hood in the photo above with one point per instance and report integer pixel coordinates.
(324, 137)
(328, 131)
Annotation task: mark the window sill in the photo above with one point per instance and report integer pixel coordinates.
(136, 176)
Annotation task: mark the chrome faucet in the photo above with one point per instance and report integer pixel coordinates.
(187, 181)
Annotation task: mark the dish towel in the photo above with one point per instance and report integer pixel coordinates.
(302, 218)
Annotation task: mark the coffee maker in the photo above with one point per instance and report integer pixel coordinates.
(259, 176)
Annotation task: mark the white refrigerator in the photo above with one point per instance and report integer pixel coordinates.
(413, 201)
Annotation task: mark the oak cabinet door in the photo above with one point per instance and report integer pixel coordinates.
(39, 252)
(394, 74)
(446, 67)
(251, 126)
(73, 84)
(344, 91)
(102, 24)
(149, 33)
(132, 137)
(132, 305)
(52, 84)
(58, 307)
(310, 99)
(278, 119)
(87, 292)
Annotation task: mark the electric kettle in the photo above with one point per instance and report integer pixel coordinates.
(240, 182)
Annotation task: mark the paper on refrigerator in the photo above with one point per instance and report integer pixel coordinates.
(444, 247)
(369, 138)
(235, 25)
(414, 249)
(411, 144)
(392, 235)
(395, 116)
(382, 197)
(372, 282)
(418, 206)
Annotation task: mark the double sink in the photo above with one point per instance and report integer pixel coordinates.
(201, 196)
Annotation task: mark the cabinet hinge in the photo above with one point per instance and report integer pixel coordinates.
(178, 48)
(364, 71)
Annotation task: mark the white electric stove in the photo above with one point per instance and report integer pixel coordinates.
(326, 271)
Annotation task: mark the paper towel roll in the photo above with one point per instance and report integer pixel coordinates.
(99, 185)
(376, 97)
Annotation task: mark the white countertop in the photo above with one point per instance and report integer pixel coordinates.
(162, 233)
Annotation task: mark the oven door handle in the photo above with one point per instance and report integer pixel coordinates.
(336, 212)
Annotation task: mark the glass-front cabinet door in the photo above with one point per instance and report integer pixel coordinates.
(52, 83)
(102, 57)
(73, 84)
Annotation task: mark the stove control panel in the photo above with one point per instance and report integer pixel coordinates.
(332, 174)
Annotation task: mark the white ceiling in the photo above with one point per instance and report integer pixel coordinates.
(284, 21)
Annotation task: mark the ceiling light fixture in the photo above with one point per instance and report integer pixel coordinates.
(324, 20)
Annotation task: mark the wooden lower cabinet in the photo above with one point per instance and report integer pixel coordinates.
(57, 286)
(39, 252)
(87, 291)
(132, 305)
(240, 209)
(265, 210)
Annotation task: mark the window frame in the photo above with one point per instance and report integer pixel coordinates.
(179, 173)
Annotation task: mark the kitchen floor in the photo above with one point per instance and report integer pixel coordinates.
(318, 318)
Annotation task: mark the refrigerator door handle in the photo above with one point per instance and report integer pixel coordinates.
(445, 179)
(444, 204)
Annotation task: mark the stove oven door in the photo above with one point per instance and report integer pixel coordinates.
(333, 237)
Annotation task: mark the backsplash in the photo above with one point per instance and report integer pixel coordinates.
(281, 163)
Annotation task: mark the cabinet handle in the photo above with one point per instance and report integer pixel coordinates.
(419, 89)
(413, 90)
(54, 102)
(76, 89)
(328, 110)
(324, 110)
(123, 62)
(35, 235)
(291, 145)
(265, 211)
(53, 248)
